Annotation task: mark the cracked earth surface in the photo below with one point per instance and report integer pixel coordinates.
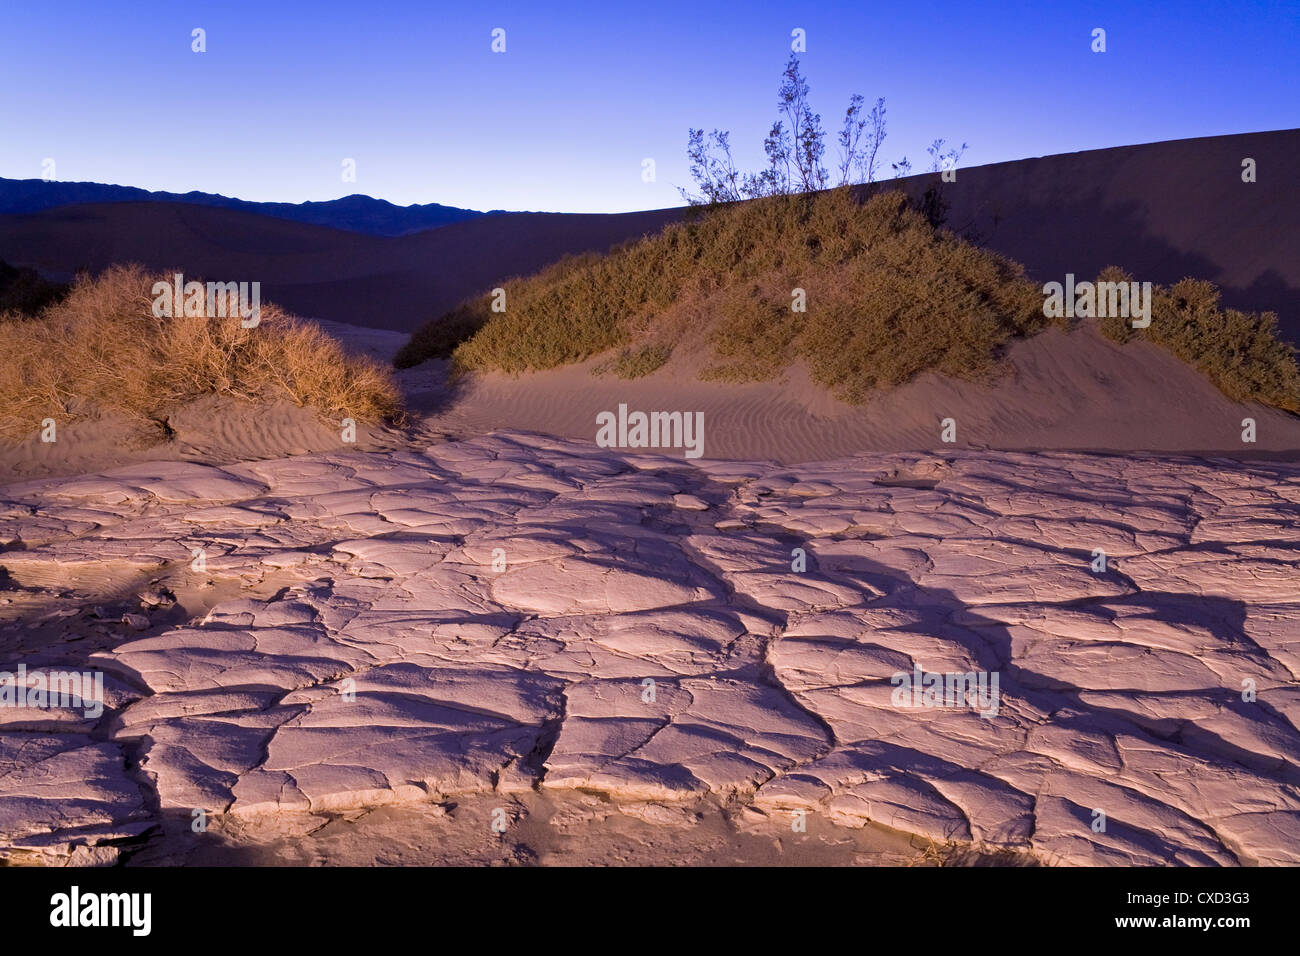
(516, 614)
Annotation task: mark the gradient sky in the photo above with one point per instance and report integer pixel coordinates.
(563, 119)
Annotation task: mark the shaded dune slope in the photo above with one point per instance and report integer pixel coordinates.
(1161, 210)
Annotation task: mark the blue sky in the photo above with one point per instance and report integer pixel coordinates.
(584, 92)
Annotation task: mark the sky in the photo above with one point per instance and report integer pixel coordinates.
(564, 119)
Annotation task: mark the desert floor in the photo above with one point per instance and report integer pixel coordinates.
(481, 640)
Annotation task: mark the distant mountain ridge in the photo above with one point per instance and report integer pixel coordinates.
(355, 213)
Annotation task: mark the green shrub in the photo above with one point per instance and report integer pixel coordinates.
(1239, 352)
(878, 275)
(638, 362)
(439, 339)
(753, 336)
(888, 295)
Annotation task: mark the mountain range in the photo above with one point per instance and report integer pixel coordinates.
(355, 213)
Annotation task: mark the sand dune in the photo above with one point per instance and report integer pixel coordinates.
(395, 283)
(213, 429)
(1162, 210)
(1074, 391)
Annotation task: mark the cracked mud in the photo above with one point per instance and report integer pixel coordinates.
(517, 619)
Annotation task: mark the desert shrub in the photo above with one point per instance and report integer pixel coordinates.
(920, 299)
(1114, 327)
(439, 339)
(564, 314)
(639, 361)
(1240, 352)
(752, 336)
(888, 296)
(101, 349)
(795, 148)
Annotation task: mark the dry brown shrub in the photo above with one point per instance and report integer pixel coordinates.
(102, 350)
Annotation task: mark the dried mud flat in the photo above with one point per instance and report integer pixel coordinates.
(365, 657)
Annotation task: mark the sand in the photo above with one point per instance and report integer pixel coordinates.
(394, 283)
(1068, 391)
(216, 429)
(1074, 391)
